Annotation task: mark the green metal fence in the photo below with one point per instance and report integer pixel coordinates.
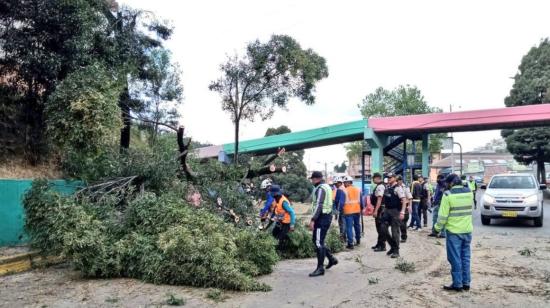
(12, 214)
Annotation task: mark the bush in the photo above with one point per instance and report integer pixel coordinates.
(159, 239)
(300, 245)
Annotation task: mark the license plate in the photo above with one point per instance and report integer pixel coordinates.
(509, 214)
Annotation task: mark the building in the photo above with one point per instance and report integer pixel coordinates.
(478, 164)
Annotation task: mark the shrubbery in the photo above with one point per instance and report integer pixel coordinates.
(157, 238)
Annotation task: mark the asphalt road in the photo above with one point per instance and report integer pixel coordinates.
(510, 226)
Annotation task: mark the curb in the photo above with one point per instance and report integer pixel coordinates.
(25, 262)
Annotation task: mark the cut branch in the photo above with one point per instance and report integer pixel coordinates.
(184, 151)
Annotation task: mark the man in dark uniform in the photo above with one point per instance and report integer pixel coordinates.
(395, 203)
(376, 199)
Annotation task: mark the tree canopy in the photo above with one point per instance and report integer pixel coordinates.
(403, 100)
(531, 83)
(267, 77)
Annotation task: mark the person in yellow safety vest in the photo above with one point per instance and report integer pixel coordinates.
(455, 215)
(352, 212)
(284, 216)
(320, 222)
(473, 187)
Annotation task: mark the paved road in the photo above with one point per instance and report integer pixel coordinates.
(515, 227)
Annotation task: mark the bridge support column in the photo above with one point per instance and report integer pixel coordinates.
(376, 144)
(425, 156)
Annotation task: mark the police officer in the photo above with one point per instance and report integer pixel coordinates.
(376, 200)
(395, 202)
(409, 198)
(455, 215)
(320, 222)
(283, 215)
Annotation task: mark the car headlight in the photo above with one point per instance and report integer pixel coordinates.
(488, 199)
(531, 199)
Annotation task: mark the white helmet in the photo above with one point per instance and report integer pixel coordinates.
(338, 179)
(266, 183)
(347, 178)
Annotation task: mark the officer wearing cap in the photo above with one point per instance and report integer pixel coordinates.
(455, 215)
(376, 200)
(284, 216)
(395, 203)
(409, 197)
(339, 199)
(320, 222)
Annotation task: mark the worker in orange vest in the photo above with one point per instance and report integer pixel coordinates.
(284, 216)
(352, 211)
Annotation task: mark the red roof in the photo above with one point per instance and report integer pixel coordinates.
(487, 119)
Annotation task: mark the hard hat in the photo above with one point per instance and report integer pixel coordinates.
(348, 178)
(266, 183)
(338, 179)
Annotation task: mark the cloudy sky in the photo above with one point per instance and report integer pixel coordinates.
(462, 54)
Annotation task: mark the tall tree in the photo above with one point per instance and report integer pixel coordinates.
(403, 100)
(43, 41)
(161, 92)
(267, 77)
(531, 83)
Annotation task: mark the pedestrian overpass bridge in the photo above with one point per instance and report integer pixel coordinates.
(387, 136)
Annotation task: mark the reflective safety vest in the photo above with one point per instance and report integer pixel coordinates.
(472, 185)
(455, 211)
(280, 213)
(353, 200)
(327, 203)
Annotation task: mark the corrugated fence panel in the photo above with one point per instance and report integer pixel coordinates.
(12, 214)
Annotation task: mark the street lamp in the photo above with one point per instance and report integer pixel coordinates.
(451, 144)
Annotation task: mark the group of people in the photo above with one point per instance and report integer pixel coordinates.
(452, 202)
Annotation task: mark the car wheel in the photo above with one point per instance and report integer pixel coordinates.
(538, 220)
(485, 220)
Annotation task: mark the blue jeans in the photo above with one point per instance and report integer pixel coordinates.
(434, 220)
(415, 220)
(353, 222)
(458, 254)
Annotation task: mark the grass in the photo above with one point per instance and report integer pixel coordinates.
(404, 266)
(111, 300)
(216, 295)
(174, 301)
(527, 252)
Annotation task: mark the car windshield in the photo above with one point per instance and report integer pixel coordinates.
(513, 182)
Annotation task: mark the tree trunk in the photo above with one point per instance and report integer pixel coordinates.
(236, 156)
(126, 120)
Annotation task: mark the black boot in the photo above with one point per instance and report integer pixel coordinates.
(332, 261)
(320, 261)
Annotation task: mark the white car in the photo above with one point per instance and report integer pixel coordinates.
(516, 196)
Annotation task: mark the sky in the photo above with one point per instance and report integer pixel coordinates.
(458, 53)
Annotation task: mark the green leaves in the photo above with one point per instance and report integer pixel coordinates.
(82, 114)
(159, 239)
(531, 85)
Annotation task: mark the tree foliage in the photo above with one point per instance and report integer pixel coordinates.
(403, 100)
(267, 77)
(531, 83)
(45, 41)
(293, 182)
(157, 238)
(82, 114)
